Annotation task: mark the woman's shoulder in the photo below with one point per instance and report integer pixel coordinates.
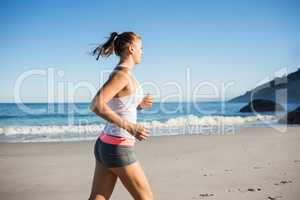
(120, 72)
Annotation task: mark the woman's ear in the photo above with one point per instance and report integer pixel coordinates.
(131, 49)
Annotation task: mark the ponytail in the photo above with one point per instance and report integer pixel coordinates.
(107, 48)
(117, 43)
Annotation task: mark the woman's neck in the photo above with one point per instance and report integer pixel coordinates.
(128, 63)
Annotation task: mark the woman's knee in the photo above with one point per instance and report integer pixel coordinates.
(97, 197)
(148, 196)
(145, 193)
(135, 181)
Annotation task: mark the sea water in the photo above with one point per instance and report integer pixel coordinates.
(35, 122)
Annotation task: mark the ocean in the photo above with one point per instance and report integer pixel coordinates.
(38, 122)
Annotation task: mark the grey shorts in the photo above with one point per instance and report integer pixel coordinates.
(111, 155)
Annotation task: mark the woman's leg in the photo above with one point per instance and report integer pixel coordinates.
(103, 183)
(134, 179)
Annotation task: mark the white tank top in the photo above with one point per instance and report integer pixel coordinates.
(125, 107)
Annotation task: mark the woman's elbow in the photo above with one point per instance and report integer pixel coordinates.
(97, 108)
(93, 108)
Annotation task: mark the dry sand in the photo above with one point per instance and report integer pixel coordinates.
(254, 163)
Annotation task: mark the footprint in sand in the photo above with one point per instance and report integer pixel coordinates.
(274, 198)
(207, 174)
(228, 170)
(282, 182)
(250, 190)
(203, 195)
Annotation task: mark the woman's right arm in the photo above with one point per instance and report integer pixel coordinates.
(99, 106)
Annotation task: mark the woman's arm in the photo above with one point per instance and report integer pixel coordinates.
(99, 106)
(146, 102)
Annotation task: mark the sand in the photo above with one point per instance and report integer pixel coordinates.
(253, 163)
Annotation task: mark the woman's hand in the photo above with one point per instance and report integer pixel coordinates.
(146, 102)
(139, 131)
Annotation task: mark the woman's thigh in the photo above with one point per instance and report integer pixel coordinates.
(104, 182)
(134, 179)
(115, 155)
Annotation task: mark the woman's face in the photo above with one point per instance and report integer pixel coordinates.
(137, 50)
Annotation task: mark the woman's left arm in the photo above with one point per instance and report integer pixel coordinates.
(145, 103)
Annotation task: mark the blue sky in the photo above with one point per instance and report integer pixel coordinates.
(219, 41)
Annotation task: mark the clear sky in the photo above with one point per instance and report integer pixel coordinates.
(218, 41)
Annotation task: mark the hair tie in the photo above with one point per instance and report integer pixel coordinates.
(116, 36)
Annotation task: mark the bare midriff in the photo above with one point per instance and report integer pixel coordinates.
(116, 140)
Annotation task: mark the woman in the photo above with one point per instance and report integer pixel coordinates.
(117, 102)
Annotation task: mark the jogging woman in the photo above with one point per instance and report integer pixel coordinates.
(117, 101)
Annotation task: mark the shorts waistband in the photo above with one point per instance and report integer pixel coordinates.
(116, 140)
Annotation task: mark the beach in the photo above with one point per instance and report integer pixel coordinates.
(253, 163)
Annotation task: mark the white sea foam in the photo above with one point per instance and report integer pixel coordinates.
(173, 126)
(11, 130)
(211, 120)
